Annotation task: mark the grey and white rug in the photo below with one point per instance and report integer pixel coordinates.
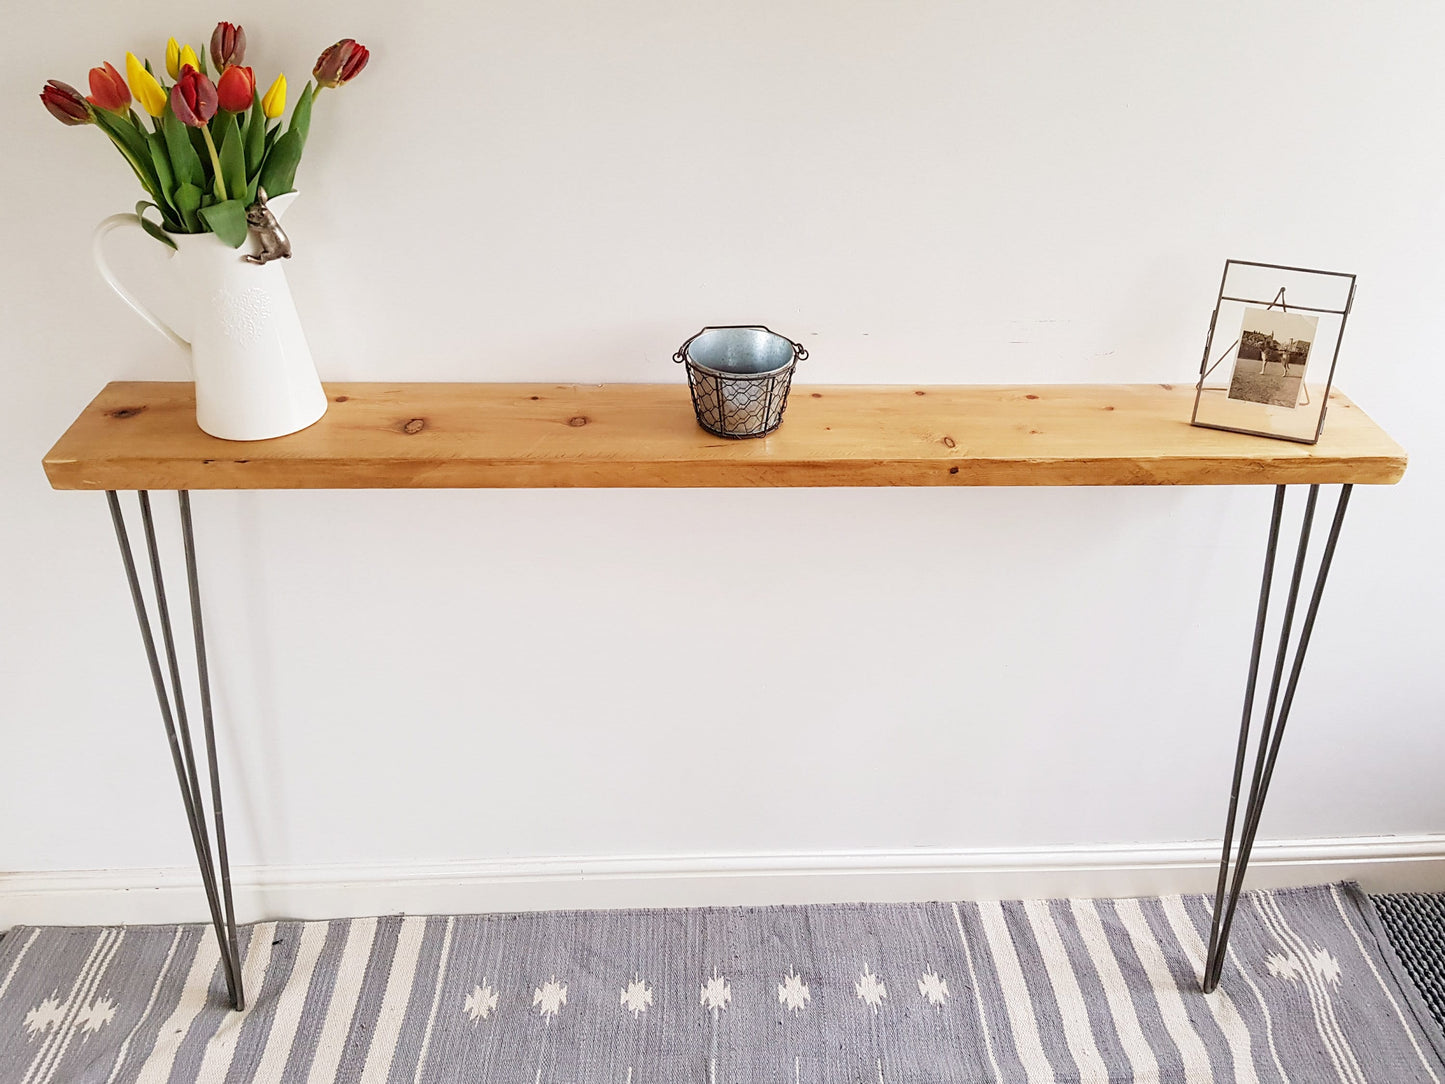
(861, 994)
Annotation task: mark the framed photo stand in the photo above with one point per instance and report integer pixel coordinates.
(1274, 378)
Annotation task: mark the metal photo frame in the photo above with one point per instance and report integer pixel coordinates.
(1246, 287)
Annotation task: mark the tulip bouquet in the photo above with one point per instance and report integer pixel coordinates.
(211, 146)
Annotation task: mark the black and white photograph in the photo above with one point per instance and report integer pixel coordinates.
(1274, 348)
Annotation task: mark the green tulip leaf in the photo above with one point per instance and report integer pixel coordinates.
(185, 162)
(203, 153)
(278, 175)
(149, 226)
(156, 232)
(161, 163)
(272, 134)
(132, 147)
(145, 181)
(255, 139)
(301, 115)
(233, 157)
(188, 203)
(227, 220)
(172, 221)
(138, 122)
(131, 142)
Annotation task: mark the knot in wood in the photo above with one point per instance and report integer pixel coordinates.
(949, 442)
(577, 422)
(416, 425)
(126, 411)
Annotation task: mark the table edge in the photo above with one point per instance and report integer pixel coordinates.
(65, 473)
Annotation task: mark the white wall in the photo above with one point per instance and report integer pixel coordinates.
(922, 192)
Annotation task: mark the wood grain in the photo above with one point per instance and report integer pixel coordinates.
(395, 436)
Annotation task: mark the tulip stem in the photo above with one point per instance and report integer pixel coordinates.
(215, 163)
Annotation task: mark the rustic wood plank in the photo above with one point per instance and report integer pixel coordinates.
(391, 436)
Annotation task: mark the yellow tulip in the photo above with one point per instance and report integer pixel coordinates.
(188, 56)
(274, 102)
(144, 86)
(173, 59)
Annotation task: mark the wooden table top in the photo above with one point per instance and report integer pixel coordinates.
(143, 435)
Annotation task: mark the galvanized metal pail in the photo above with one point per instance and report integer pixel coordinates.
(739, 376)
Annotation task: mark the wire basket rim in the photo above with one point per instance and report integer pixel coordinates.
(721, 374)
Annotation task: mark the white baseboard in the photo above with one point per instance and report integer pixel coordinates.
(81, 897)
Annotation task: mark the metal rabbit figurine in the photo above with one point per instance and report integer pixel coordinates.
(267, 231)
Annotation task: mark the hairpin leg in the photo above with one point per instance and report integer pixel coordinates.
(1226, 896)
(176, 724)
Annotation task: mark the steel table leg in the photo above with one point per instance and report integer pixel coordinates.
(1227, 891)
(1226, 896)
(177, 726)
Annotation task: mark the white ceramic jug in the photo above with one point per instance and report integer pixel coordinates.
(253, 370)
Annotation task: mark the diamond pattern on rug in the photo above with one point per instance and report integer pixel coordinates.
(1030, 991)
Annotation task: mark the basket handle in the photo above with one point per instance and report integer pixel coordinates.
(800, 352)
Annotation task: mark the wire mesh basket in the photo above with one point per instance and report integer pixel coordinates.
(739, 376)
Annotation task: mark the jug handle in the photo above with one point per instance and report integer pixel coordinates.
(97, 250)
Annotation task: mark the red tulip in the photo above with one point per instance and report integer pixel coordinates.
(228, 46)
(108, 89)
(65, 103)
(341, 63)
(193, 98)
(236, 89)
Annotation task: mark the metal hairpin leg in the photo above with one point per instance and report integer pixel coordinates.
(1226, 896)
(177, 726)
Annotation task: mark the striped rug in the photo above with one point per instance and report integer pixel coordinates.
(860, 994)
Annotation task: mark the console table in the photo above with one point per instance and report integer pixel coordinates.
(143, 437)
